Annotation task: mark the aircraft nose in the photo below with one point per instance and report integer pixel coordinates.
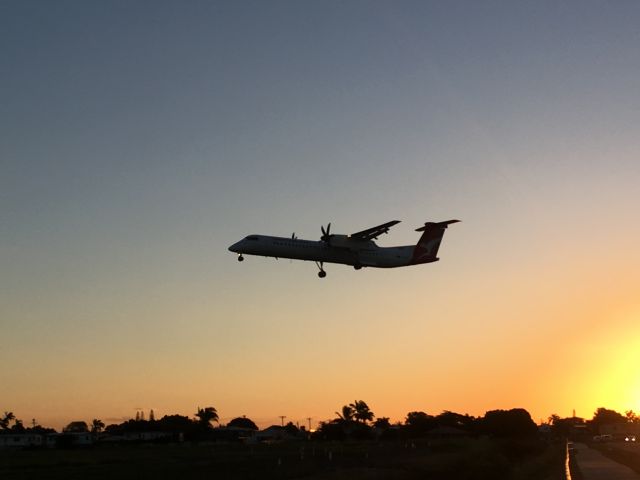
(234, 247)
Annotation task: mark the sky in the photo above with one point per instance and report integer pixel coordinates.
(140, 139)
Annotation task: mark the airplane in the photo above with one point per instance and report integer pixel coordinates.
(358, 249)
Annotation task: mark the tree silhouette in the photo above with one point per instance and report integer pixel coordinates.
(417, 423)
(509, 423)
(603, 416)
(6, 420)
(455, 420)
(347, 414)
(291, 429)
(18, 426)
(553, 419)
(76, 427)
(206, 416)
(242, 422)
(361, 411)
(562, 427)
(177, 423)
(331, 430)
(97, 425)
(382, 423)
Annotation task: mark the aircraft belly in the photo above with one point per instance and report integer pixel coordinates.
(314, 253)
(384, 259)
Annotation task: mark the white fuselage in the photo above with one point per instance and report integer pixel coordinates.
(341, 250)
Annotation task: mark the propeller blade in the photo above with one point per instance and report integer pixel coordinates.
(326, 234)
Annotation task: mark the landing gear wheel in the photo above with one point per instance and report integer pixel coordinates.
(240, 258)
(321, 273)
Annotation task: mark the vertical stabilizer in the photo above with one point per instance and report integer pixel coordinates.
(426, 250)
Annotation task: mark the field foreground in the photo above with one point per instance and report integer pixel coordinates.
(476, 459)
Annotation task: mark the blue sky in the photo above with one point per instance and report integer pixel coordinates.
(140, 139)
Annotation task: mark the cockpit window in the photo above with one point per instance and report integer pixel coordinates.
(252, 237)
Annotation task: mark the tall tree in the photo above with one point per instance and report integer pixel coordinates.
(206, 416)
(361, 411)
(382, 423)
(516, 422)
(347, 414)
(97, 425)
(456, 420)
(603, 416)
(418, 423)
(6, 420)
(242, 422)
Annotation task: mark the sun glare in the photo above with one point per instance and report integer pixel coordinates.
(615, 356)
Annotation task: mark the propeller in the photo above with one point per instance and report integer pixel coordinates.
(326, 235)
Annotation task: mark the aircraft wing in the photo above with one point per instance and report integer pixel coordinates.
(371, 233)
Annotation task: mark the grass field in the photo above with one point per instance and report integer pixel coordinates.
(467, 459)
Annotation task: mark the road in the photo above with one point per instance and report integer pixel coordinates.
(595, 466)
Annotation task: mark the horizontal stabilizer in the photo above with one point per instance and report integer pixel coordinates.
(431, 225)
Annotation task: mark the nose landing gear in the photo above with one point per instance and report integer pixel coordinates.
(240, 258)
(321, 273)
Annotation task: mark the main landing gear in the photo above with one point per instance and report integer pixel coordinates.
(240, 258)
(321, 273)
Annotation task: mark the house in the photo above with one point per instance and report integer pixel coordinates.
(21, 440)
(272, 434)
(74, 439)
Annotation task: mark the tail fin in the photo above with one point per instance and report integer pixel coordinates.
(429, 243)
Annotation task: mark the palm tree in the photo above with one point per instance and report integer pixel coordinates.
(4, 421)
(347, 413)
(97, 425)
(206, 416)
(361, 411)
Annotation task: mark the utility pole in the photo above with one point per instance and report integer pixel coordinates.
(282, 417)
(309, 419)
